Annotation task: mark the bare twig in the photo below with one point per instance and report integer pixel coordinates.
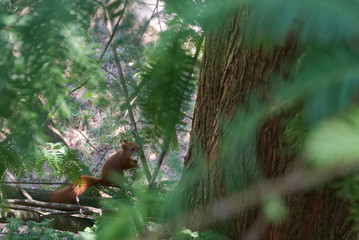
(155, 4)
(32, 183)
(157, 169)
(114, 75)
(148, 22)
(158, 16)
(58, 206)
(103, 156)
(104, 191)
(18, 186)
(87, 140)
(187, 115)
(113, 33)
(29, 209)
(49, 214)
(183, 130)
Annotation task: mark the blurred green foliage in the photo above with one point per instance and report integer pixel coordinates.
(60, 159)
(166, 89)
(45, 54)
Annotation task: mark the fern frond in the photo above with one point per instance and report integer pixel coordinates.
(60, 159)
(166, 88)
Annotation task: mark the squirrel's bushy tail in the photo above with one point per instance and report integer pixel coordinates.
(68, 194)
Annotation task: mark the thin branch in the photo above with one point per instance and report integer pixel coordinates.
(114, 75)
(130, 113)
(157, 169)
(103, 156)
(187, 115)
(113, 32)
(158, 17)
(133, 99)
(29, 209)
(183, 130)
(87, 140)
(49, 214)
(154, 4)
(18, 186)
(32, 183)
(128, 105)
(58, 206)
(72, 214)
(104, 191)
(148, 23)
(132, 85)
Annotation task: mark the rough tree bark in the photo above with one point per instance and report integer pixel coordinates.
(231, 73)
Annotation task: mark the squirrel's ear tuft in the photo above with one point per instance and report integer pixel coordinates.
(124, 141)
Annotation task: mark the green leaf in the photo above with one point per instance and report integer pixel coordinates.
(334, 142)
(275, 209)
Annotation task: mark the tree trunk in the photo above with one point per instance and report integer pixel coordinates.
(231, 74)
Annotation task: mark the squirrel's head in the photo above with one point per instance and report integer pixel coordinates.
(130, 147)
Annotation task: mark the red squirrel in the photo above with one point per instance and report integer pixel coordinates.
(116, 163)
